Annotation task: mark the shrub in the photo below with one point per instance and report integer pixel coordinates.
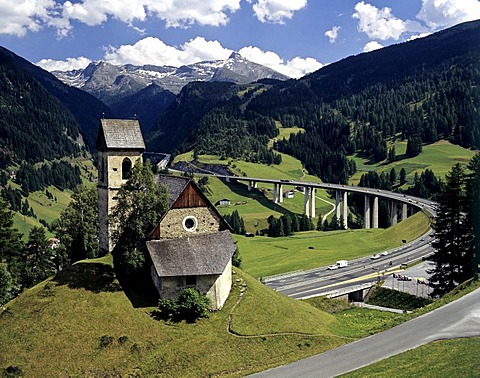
(12, 371)
(122, 339)
(167, 309)
(106, 341)
(190, 306)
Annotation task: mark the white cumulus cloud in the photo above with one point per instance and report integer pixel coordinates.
(276, 11)
(183, 13)
(64, 65)
(378, 23)
(372, 45)
(332, 34)
(444, 13)
(152, 50)
(21, 16)
(417, 36)
(295, 68)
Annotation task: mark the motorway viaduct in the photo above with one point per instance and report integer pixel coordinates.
(341, 207)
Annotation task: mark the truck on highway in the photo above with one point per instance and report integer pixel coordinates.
(342, 263)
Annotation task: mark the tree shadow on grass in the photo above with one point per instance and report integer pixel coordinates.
(100, 277)
(92, 276)
(242, 189)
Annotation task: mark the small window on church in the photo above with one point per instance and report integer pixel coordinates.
(191, 281)
(190, 223)
(126, 168)
(101, 169)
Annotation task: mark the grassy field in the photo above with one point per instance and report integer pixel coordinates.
(263, 256)
(56, 329)
(445, 358)
(50, 209)
(439, 157)
(81, 323)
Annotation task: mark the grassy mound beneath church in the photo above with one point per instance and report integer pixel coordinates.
(81, 322)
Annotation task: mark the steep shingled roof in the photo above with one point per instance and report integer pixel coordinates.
(206, 254)
(175, 186)
(120, 133)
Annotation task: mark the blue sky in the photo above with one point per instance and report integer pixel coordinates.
(294, 37)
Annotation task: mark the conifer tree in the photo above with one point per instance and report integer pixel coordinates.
(453, 257)
(473, 213)
(38, 263)
(287, 224)
(403, 176)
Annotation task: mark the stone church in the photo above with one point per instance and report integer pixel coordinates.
(191, 246)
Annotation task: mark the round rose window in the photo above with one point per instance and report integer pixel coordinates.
(190, 223)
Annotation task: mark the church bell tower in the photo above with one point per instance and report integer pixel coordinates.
(119, 145)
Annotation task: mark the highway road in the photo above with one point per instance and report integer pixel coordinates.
(320, 281)
(460, 318)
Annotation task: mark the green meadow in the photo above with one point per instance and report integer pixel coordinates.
(81, 323)
(457, 358)
(439, 157)
(263, 256)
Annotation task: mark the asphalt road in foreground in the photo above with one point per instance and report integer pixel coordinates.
(460, 318)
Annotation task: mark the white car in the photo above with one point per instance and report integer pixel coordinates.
(375, 256)
(385, 253)
(332, 267)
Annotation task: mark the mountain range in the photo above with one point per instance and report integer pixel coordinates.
(425, 88)
(110, 82)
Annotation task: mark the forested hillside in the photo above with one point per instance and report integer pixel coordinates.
(146, 105)
(34, 126)
(211, 118)
(85, 108)
(421, 91)
(39, 137)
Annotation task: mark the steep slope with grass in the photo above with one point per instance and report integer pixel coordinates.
(82, 323)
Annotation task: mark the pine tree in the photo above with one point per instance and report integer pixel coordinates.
(38, 264)
(453, 257)
(287, 224)
(473, 213)
(319, 223)
(295, 226)
(393, 176)
(11, 252)
(403, 176)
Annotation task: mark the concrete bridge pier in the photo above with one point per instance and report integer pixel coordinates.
(252, 185)
(341, 197)
(277, 193)
(345, 211)
(404, 211)
(366, 212)
(312, 202)
(306, 202)
(394, 213)
(337, 203)
(375, 212)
